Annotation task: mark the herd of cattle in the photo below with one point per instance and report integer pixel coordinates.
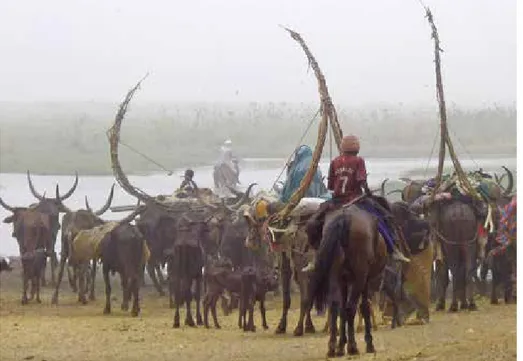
(203, 241)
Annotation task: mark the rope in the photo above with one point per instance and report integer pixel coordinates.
(431, 152)
(169, 172)
(299, 143)
(463, 146)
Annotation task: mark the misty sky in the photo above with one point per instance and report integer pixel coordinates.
(233, 50)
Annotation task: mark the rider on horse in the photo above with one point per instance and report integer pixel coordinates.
(347, 180)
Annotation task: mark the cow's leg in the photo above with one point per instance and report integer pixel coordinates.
(72, 276)
(189, 321)
(262, 312)
(82, 283)
(93, 277)
(286, 273)
(25, 286)
(135, 287)
(250, 324)
(107, 281)
(125, 291)
(54, 263)
(197, 298)
(176, 285)
(206, 304)
(37, 288)
(151, 270)
(214, 301)
(63, 259)
(442, 278)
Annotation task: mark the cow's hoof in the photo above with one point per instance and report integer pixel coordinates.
(298, 331)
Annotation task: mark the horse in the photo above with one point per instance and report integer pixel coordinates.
(351, 257)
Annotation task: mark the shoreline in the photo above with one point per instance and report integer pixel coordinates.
(249, 162)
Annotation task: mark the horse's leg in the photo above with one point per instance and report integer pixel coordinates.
(333, 317)
(365, 310)
(342, 330)
(107, 282)
(373, 315)
(197, 298)
(151, 270)
(359, 327)
(352, 306)
(286, 272)
(54, 300)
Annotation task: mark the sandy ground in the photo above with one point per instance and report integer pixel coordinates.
(71, 331)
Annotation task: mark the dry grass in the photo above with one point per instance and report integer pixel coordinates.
(70, 331)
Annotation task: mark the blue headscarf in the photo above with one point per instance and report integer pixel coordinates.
(297, 170)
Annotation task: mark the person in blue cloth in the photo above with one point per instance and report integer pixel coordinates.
(295, 173)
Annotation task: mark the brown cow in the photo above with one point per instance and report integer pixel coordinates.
(51, 207)
(72, 223)
(32, 229)
(124, 250)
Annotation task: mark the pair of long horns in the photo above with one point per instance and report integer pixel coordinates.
(58, 196)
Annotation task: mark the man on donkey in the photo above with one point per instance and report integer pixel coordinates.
(348, 180)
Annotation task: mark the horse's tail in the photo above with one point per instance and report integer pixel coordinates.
(336, 230)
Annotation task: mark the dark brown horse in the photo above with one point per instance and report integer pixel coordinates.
(350, 258)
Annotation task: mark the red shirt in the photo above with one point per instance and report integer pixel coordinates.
(346, 175)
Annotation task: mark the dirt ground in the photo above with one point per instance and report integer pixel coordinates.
(71, 331)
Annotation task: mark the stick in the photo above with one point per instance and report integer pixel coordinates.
(445, 138)
(327, 113)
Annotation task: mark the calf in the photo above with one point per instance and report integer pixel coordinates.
(249, 284)
(32, 229)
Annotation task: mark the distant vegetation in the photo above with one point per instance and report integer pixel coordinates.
(58, 138)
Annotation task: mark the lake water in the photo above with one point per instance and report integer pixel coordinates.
(14, 188)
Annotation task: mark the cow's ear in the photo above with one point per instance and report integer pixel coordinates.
(9, 219)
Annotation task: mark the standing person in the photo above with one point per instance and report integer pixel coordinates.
(348, 181)
(226, 172)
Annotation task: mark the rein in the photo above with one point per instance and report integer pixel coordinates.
(451, 243)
